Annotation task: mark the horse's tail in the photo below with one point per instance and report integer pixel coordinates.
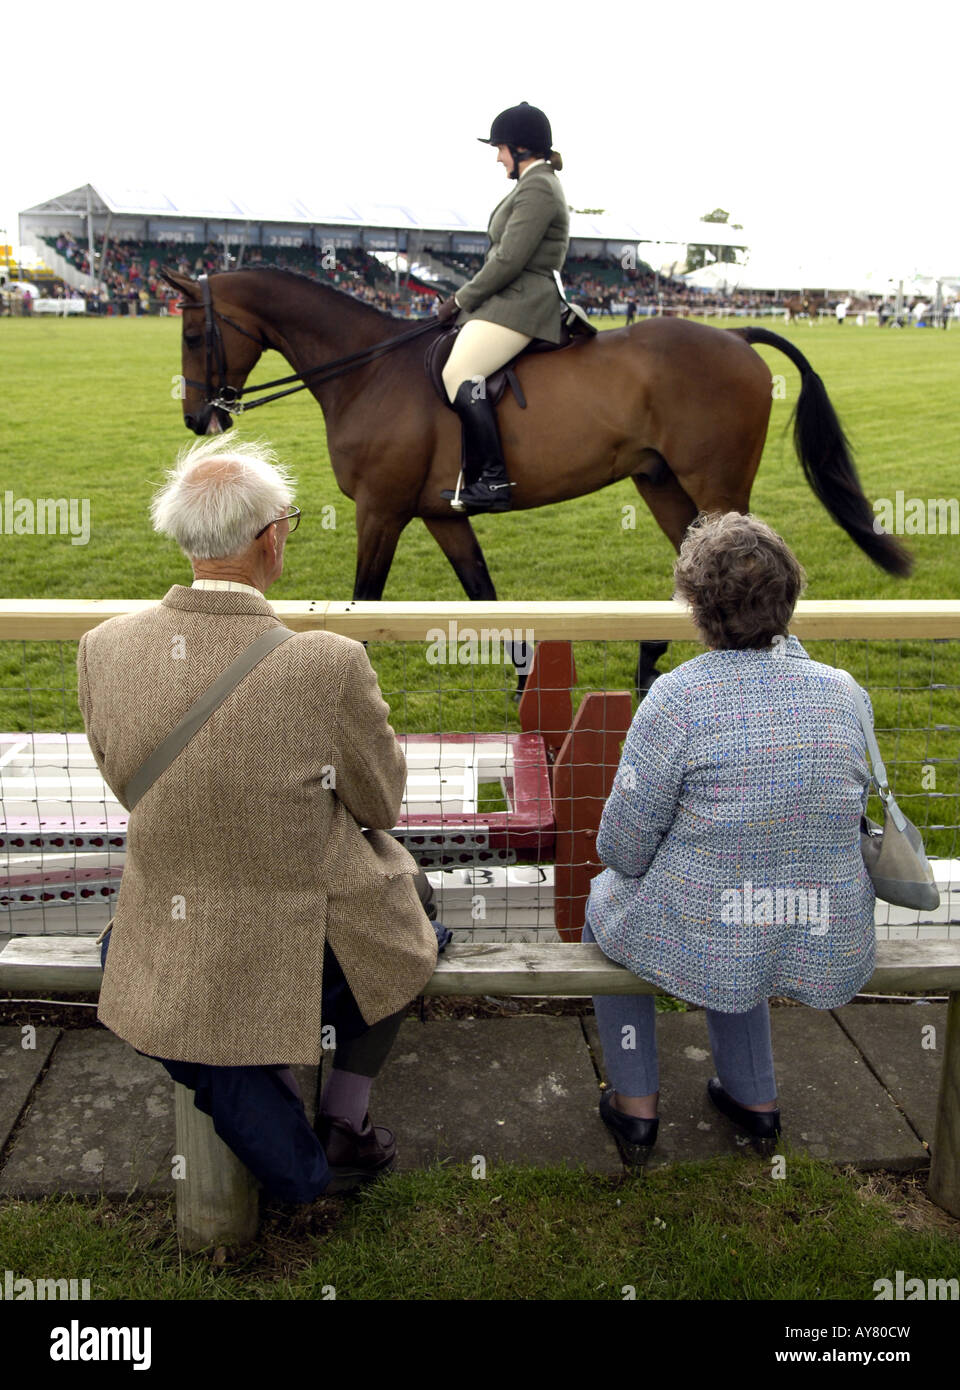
(824, 452)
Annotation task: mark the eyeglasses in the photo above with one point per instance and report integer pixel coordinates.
(293, 516)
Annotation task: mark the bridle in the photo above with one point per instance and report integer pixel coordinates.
(223, 400)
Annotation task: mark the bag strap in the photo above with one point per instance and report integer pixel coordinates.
(200, 711)
(873, 749)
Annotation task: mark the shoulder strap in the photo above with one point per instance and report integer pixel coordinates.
(873, 750)
(200, 711)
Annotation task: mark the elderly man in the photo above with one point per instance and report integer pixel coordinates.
(252, 904)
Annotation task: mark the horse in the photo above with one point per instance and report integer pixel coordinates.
(800, 304)
(680, 408)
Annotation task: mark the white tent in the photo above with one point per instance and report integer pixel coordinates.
(719, 275)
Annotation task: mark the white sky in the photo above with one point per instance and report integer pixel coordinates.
(822, 127)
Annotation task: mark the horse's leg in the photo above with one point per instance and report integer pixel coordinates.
(377, 537)
(457, 539)
(673, 510)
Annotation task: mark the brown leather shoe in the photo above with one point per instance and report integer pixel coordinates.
(355, 1158)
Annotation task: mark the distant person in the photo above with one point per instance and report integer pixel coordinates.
(841, 312)
(732, 839)
(262, 896)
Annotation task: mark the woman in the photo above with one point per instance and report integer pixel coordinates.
(732, 837)
(512, 299)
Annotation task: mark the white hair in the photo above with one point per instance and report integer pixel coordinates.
(213, 513)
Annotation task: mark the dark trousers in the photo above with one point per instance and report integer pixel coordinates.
(258, 1116)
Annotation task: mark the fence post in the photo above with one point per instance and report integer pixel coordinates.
(583, 777)
(217, 1197)
(546, 705)
(943, 1185)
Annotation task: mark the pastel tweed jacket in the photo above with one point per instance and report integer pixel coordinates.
(732, 835)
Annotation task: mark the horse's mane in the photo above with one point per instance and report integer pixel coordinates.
(315, 284)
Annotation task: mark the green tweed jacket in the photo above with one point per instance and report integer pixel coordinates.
(529, 233)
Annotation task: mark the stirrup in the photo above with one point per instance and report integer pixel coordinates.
(454, 497)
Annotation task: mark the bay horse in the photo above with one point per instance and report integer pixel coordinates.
(679, 407)
(801, 304)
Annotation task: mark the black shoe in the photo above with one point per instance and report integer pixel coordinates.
(487, 487)
(485, 495)
(762, 1127)
(634, 1137)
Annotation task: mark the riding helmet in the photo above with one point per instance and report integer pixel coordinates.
(525, 126)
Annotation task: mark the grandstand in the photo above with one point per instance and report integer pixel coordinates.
(109, 244)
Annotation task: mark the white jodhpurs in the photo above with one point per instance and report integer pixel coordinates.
(479, 349)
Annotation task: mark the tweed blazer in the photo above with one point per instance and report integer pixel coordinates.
(732, 835)
(246, 853)
(529, 233)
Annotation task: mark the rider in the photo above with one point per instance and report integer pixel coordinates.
(513, 298)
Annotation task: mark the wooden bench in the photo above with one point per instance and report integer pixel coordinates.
(217, 1203)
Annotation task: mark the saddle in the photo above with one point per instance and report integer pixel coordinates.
(435, 359)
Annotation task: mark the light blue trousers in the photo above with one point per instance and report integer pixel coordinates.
(740, 1044)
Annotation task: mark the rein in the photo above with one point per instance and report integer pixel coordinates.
(226, 398)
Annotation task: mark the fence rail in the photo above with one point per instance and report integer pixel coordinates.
(603, 620)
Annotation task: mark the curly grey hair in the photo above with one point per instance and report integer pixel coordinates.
(740, 579)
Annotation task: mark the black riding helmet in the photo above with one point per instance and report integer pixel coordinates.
(525, 131)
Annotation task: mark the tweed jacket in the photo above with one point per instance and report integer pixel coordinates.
(529, 233)
(246, 853)
(732, 835)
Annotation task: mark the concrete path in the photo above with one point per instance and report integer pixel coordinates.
(81, 1111)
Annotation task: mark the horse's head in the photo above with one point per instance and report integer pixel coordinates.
(218, 352)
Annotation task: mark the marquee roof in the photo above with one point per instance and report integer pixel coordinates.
(326, 210)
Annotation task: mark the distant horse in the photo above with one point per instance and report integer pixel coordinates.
(680, 408)
(800, 304)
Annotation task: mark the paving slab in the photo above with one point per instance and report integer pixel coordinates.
(892, 1037)
(831, 1106)
(19, 1068)
(519, 1090)
(101, 1121)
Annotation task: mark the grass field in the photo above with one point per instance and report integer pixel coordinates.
(88, 411)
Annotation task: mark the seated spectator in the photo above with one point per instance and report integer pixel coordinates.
(254, 906)
(732, 837)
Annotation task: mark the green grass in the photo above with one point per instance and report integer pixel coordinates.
(719, 1230)
(87, 411)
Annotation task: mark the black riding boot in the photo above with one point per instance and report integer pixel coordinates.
(487, 488)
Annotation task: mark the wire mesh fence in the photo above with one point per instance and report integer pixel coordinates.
(503, 797)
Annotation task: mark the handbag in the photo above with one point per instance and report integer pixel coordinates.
(893, 853)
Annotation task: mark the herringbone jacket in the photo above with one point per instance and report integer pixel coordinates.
(246, 853)
(732, 835)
